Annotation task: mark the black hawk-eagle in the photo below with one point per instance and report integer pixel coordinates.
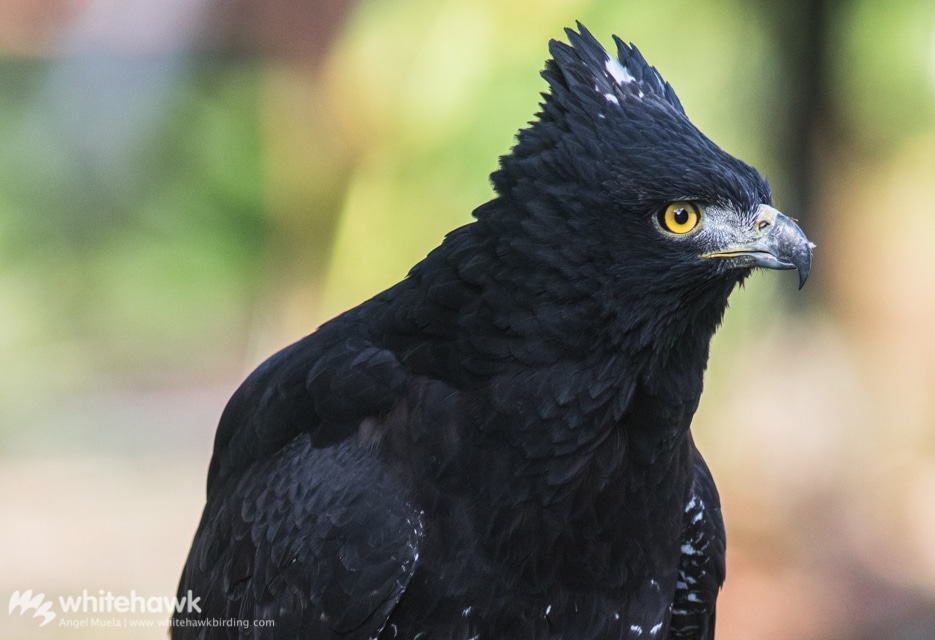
(499, 446)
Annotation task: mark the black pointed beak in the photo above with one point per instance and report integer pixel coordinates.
(779, 244)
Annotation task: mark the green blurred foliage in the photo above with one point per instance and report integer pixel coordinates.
(180, 215)
(885, 72)
(131, 220)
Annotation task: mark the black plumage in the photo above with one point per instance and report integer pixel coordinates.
(499, 445)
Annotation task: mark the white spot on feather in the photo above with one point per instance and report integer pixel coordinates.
(467, 611)
(611, 98)
(548, 610)
(619, 72)
(635, 628)
(656, 629)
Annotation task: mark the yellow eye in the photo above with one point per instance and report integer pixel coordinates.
(681, 217)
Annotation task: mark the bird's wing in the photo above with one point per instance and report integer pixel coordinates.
(323, 385)
(317, 542)
(701, 566)
(304, 525)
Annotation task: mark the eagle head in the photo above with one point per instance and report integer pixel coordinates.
(613, 169)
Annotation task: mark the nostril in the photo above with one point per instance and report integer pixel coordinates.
(762, 225)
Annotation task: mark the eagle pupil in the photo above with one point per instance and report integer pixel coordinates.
(681, 216)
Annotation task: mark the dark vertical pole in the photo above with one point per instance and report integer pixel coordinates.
(805, 31)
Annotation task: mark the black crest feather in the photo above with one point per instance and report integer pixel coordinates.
(611, 127)
(586, 63)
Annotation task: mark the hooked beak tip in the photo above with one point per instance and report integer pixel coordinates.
(782, 245)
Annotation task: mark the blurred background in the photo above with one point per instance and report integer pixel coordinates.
(188, 185)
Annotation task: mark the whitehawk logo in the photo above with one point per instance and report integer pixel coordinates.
(26, 601)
